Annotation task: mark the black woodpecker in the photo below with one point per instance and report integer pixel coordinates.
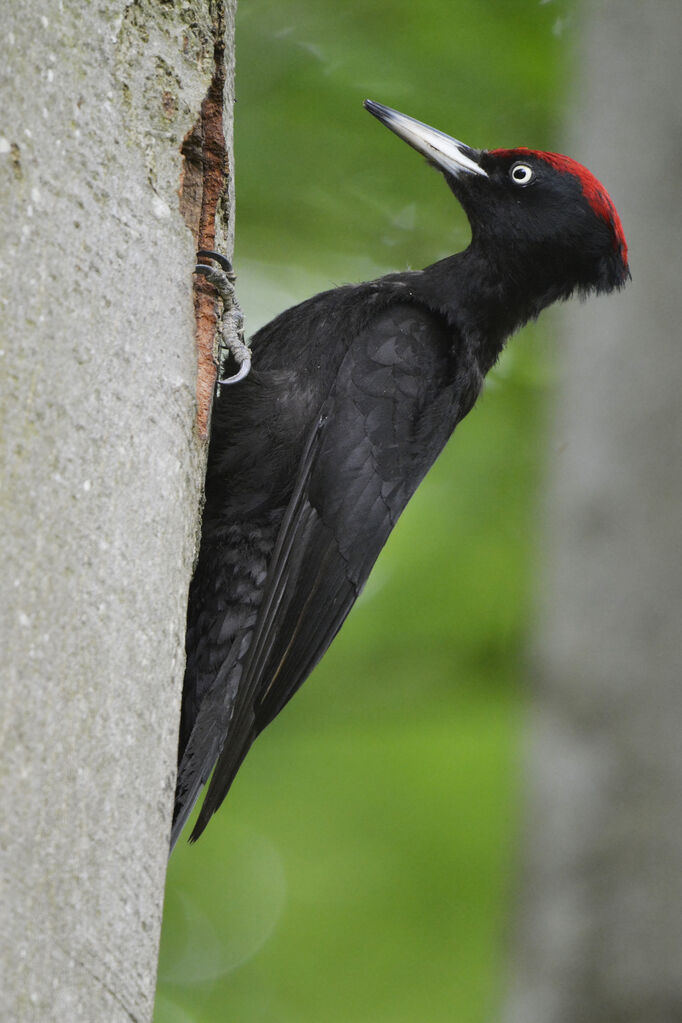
(352, 396)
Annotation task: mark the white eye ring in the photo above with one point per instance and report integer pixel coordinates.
(521, 174)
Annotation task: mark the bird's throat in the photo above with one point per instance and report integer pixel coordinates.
(484, 302)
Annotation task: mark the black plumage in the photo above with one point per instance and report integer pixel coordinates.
(351, 398)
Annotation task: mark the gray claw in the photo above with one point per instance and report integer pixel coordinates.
(241, 374)
(222, 277)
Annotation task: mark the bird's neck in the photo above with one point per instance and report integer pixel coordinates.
(483, 300)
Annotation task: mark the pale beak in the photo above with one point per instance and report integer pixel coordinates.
(445, 153)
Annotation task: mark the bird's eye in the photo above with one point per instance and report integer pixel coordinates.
(521, 174)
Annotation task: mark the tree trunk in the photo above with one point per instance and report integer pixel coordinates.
(108, 110)
(601, 929)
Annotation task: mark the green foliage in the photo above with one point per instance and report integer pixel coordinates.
(362, 868)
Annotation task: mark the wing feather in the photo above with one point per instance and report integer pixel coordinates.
(395, 401)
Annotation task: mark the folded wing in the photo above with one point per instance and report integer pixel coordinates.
(394, 403)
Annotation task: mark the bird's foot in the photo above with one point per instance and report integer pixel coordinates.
(222, 277)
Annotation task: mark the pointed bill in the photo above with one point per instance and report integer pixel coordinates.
(446, 153)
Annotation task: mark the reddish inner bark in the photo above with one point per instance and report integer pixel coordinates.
(204, 177)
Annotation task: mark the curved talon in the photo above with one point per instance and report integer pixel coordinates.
(231, 336)
(243, 372)
(219, 258)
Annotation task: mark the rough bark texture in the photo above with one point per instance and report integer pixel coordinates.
(102, 464)
(601, 930)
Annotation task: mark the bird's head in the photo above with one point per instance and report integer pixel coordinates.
(536, 215)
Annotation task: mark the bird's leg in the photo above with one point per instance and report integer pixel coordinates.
(222, 277)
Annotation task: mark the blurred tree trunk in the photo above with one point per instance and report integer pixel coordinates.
(102, 463)
(601, 923)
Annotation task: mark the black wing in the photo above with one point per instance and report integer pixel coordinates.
(394, 403)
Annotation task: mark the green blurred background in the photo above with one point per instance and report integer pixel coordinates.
(364, 866)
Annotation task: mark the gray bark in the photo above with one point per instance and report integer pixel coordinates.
(101, 482)
(601, 923)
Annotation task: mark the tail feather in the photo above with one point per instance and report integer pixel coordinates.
(224, 599)
(208, 736)
(222, 779)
